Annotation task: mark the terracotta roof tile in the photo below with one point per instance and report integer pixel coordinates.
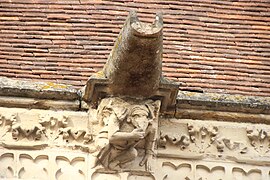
(209, 46)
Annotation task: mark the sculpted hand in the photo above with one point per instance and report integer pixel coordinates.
(138, 134)
(144, 160)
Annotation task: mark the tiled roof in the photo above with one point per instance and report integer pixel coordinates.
(209, 46)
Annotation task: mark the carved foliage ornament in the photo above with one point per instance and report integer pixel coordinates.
(33, 130)
(182, 141)
(30, 130)
(202, 136)
(259, 139)
(53, 124)
(198, 137)
(58, 129)
(6, 122)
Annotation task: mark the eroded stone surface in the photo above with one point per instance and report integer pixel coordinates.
(223, 102)
(127, 127)
(197, 139)
(42, 90)
(61, 144)
(37, 129)
(124, 137)
(134, 65)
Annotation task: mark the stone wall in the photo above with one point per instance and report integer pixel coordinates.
(46, 144)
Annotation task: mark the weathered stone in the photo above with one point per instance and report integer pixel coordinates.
(188, 113)
(127, 127)
(39, 90)
(223, 102)
(134, 66)
(36, 103)
(36, 129)
(187, 149)
(125, 137)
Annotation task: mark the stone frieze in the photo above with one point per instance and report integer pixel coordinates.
(196, 139)
(190, 149)
(37, 129)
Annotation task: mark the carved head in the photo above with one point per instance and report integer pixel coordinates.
(139, 116)
(142, 115)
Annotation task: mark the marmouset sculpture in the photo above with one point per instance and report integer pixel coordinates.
(129, 93)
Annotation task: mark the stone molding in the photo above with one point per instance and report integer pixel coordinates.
(60, 144)
(59, 164)
(39, 90)
(197, 139)
(37, 129)
(42, 95)
(223, 102)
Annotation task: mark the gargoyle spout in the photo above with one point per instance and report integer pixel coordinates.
(134, 65)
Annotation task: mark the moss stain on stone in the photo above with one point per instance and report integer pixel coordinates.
(51, 85)
(100, 74)
(190, 94)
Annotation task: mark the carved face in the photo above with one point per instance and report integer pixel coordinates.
(105, 115)
(139, 117)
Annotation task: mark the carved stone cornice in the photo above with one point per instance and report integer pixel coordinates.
(223, 102)
(195, 139)
(192, 148)
(36, 129)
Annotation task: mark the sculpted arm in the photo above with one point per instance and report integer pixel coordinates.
(149, 140)
(134, 135)
(114, 133)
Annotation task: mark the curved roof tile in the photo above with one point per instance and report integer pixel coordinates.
(209, 46)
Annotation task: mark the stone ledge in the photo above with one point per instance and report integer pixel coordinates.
(35, 103)
(223, 102)
(38, 90)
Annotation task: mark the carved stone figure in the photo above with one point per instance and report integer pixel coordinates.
(126, 124)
